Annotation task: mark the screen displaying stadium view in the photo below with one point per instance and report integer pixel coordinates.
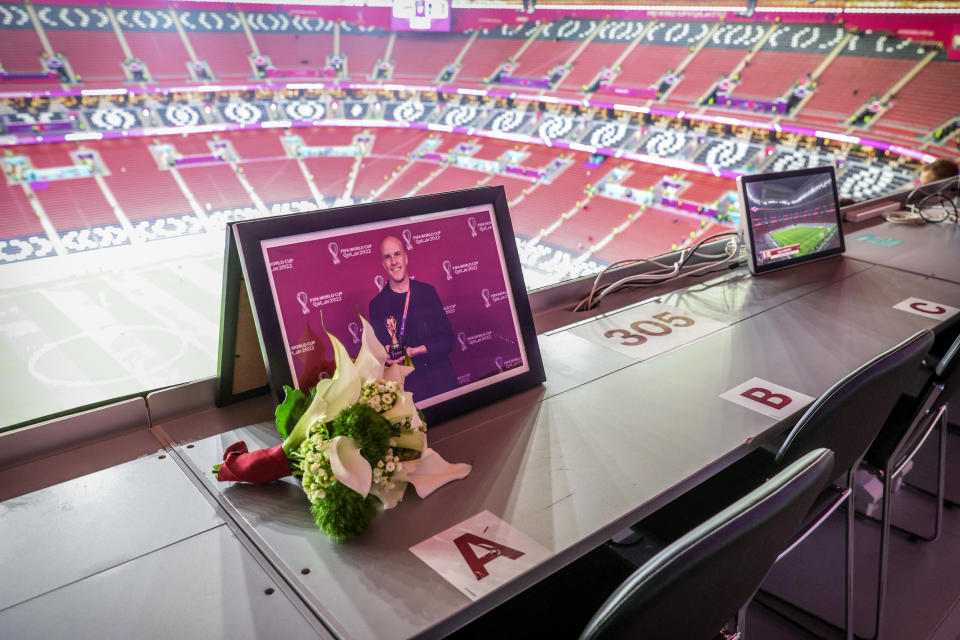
(792, 217)
(131, 135)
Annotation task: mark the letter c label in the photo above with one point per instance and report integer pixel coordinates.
(924, 307)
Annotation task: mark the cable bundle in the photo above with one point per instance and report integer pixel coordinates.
(664, 272)
(918, 214)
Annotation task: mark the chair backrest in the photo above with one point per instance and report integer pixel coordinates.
(848, 417)
(946, 370)
(697, 584)
(935, 392)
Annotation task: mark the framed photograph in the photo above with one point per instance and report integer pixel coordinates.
(438, 278)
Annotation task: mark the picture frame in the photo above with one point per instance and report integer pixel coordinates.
(311, 273)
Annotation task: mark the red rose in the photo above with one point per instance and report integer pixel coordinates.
(259, 467)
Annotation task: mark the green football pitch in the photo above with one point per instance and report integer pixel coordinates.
(87, 331)
(807, 237)
(84, 329)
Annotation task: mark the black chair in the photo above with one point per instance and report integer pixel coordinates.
(678, 594)
(909, 426)
(675, 594)
(845, 419)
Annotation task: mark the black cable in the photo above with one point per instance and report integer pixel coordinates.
(943, 200)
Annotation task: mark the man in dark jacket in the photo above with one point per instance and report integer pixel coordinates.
(409, 319)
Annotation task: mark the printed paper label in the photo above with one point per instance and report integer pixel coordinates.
(767, 398)
(480, 554)
(648, 330)
(926, 308)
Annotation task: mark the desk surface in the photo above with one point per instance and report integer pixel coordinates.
(605, 442)
(609, 438)
(930, 250)
(135, 551)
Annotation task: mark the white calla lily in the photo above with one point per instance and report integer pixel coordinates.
(432, 472)
(345, 388)
(332, 396)
(372, 355)
(349, 466)
(396, 373)
(316, 412)
(412, 439)
(404, 408)
(390, 496)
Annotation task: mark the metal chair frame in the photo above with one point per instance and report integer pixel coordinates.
(846, 496)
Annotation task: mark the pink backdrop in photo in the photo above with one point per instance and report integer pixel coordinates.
(338, 276)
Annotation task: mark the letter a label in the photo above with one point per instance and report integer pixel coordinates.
(480, 554)
(767, 398)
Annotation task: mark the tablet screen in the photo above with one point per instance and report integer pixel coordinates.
(791, 217)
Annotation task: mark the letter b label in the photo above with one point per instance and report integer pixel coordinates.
(765, 396)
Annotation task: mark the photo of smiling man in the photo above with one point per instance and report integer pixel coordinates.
(409, 319)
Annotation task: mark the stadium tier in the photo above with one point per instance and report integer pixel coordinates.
(408, 180)
(215, 187)
(485, 56)
(590, 223)
(929, 100)
(646, 64)
(651, 230)
(331, 175)
(163, 54)
(19, 218)
(257, 158)
(548, 202)
(588, 65)
(141, 190)
(282, 180)
(251, 145)
(554, 212)
(542, 56)
(411, 65)
(848, 83)
(363, 52)
(644, 176)
(21, 51)
(451, 179)
(706, 68)
(75, 204)
(227, 54)
(374, 173)
(769, 74)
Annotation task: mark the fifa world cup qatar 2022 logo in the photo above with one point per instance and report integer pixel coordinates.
(448, 269)
(354, 330)
(462, 339)
(408, 238)
(472, 223)
(485, 294)
(379, 281)
(334, 250)
(302, 299)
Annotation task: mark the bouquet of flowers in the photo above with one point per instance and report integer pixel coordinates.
(354, 437)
